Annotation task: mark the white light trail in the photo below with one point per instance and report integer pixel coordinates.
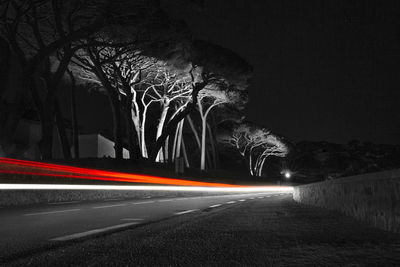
(144, 188)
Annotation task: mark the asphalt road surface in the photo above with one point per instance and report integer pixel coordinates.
(267, 229)
(25, 230)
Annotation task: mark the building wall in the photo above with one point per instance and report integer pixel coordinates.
(373, 198)
(29, 133)
(97, 146)
(105, 147)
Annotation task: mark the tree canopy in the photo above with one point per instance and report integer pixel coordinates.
(163, 86)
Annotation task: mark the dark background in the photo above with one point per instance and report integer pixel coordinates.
(323, 70)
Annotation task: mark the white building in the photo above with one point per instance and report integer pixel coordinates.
(97, 146)
(28, 135)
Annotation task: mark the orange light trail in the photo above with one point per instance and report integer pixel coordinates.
(48, 169)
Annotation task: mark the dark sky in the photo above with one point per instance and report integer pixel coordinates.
(323, 70)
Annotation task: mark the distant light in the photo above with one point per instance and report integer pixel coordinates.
(288, 175)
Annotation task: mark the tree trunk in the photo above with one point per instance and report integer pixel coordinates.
(10, 114)
(179, 142)
(114, 103)
(204, 116)
(203, 137)
(261, 166)
(213, 149)
(75, 127)
(46, 143)
(117, 122)
(129, 125)
(195, 133)
(66, 149)
(213, 134)
(257, 166)
(251, 161)
(116, 110)
(13, 84)
(166, 152)
(185, 154)
(136, 123)
(180, 116)
(135, 113)
(175, 143)
(203, 144)
(143, 134)
(49, 107)
(160, 127)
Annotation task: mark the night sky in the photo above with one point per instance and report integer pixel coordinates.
(323, 70)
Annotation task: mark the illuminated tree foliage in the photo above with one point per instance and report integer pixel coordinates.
(255, 144)
(218, 72)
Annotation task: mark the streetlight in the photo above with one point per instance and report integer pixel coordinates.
(286, 173)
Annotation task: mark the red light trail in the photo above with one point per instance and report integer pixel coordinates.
(55, 170)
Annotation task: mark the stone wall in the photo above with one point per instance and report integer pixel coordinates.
(373, 198)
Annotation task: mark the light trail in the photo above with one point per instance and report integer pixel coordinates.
(144, 188)
(93, 174)
(164, 184)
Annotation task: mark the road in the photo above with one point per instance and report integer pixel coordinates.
(35, 228)
(267, 229)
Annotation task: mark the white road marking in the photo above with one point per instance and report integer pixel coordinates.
(109, 206)
(65, 202)
(184, 212)
(230, 202)
(132, 219)
(50, 212)
(252, 198)
(93, 232)
(218, 196)
(241, 200)
(214, 206)
(144, 202)
(260, 197)
(267, 196)
(164, 200)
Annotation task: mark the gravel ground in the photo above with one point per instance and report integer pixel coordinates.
(253, 233)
